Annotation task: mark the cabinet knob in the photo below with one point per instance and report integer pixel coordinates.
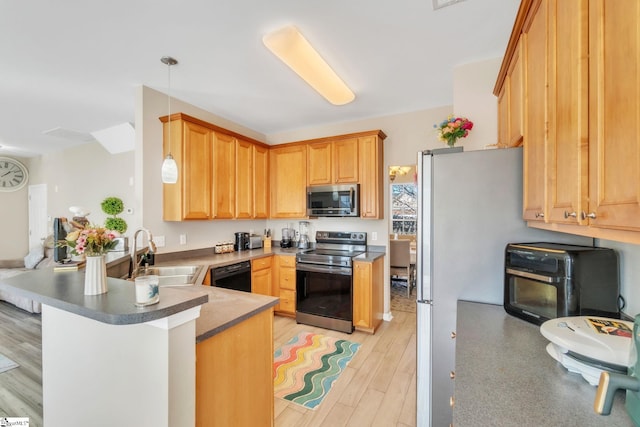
(452, 401)
(452, 375)
(572, 214)
(453, 335)
(539, 215)
(591, 215)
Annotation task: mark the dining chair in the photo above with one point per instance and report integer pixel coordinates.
(400, 267)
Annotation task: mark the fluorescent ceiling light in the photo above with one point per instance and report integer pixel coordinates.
(117, 139)
(439, 4)
(295, 51)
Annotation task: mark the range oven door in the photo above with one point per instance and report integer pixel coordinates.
(324, 296)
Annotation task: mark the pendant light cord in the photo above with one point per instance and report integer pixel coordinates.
(169, 102)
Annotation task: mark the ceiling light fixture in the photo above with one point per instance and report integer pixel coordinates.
(169, 165)
(294, 50)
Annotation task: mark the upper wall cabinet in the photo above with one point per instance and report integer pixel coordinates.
(221, 174)
(288, 181)
(332, 162)
(191, 147)
(581, 106)
(510, 103)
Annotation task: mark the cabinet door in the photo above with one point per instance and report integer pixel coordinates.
(288, 181)
(244, 179)
(260, 181)
(370, 172)
(196, 172)
(567, 145)
(345, 161)
(261, 282)
(319, 163)
(362, 295)
(516, 98)
(614, 108)
(535, 126)
(224, 182)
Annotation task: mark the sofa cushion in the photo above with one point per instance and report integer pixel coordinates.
(34, 256)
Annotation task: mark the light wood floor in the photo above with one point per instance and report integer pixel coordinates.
(21, 341)
(377, 388)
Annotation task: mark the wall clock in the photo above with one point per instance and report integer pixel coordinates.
(13, 174)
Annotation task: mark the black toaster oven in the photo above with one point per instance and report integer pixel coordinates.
(544, 281)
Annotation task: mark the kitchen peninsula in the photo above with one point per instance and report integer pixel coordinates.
(139, 364)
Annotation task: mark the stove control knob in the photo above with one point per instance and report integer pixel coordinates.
(361, 236)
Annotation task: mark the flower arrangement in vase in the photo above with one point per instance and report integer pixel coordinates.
(453, 128)
(94, 242)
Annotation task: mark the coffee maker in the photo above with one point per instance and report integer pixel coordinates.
(288, 236)
(241, 241)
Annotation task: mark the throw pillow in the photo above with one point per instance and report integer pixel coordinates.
(34, 256)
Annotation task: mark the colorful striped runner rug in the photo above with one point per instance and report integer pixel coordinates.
(306, 367)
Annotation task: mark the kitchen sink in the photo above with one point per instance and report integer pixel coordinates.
(174, 275)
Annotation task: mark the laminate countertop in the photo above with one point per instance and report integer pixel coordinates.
(504, 377)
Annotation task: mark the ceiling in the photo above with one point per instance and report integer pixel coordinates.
(75, 64)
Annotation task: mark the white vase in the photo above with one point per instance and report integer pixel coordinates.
(95, 279)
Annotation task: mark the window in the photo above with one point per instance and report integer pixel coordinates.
(404, 208)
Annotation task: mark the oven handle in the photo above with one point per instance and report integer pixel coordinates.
(539, 277)
(324, 269)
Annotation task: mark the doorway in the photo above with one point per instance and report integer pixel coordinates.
(38, 227)
(403, 217)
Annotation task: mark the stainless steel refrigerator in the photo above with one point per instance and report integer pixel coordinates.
(469, 208)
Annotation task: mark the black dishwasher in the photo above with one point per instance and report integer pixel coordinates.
(234, 276)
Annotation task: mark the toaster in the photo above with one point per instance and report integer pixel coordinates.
(255, 241)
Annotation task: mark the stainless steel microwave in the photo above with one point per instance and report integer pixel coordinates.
(333, 200)
(549, 280)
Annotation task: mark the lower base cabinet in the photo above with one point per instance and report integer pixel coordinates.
(234, 375)
(284, 284)
(368, 295)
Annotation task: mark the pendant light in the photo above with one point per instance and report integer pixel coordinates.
(169, 165)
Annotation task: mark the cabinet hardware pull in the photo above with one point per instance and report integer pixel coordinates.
(452, 401)
(452, 375)
(572, 214)
(453, 335)
(539, 215)
(591, 215)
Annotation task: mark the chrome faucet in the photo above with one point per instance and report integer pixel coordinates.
(151, 248)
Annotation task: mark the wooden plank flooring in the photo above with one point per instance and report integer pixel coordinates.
(376, 389)
(21, 387)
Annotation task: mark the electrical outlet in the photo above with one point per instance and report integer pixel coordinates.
(374, 236)
(183, 239)
(159, 240)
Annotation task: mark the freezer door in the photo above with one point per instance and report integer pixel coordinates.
(425, 224)
(424, 364)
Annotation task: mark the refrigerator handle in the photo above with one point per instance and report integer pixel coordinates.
(420, 225)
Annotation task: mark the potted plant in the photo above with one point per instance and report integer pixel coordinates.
(114, 206)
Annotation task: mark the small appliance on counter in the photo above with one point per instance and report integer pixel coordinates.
(288, 236)
(589, 345)
(544, 281)
(241, 241)
(255, 241)
(610, 382)
(303, 239)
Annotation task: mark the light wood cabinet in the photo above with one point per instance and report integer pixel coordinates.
(614, 108)
(288, 181)
(190, 145)
(224, 176)
(260, 181)
(581, 160)
(261, 276)
(368, 294)
(284, 284)
(371, 175)
(244, 179)
(568, 139)
(332, 162)
(534, 37)
(232, 367)
(511, 104)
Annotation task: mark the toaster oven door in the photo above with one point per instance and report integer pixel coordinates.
(538, 298)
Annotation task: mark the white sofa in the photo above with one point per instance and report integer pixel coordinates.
(37, 258)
